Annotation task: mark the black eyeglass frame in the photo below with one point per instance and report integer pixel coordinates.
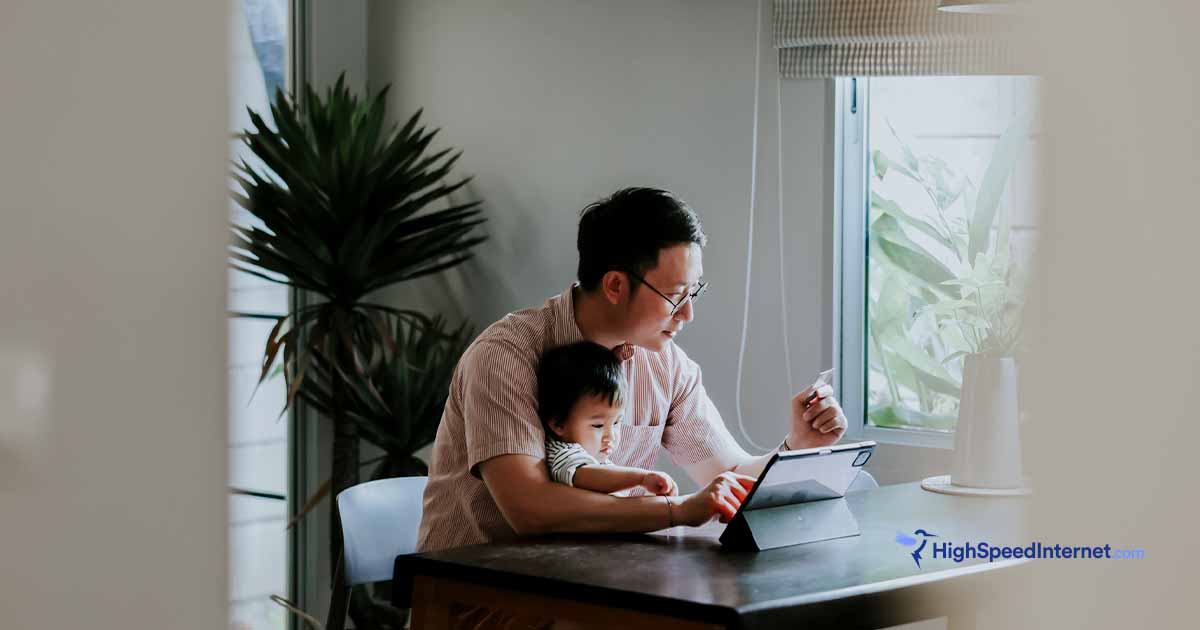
(701, 287)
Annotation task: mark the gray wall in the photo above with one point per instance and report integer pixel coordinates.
(112, 348)
(557, 104)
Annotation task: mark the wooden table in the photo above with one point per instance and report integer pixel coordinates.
(683, 578)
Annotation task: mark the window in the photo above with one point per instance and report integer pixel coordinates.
(258, 437)
(935, 189)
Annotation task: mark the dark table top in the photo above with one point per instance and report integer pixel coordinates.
(685, 572)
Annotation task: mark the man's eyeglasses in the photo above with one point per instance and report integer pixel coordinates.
(691, 296)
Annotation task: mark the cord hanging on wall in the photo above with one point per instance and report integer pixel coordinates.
(787, 354)
(783, 302)
(750, 229)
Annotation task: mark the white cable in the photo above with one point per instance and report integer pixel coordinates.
(783, 303)
(750, 229)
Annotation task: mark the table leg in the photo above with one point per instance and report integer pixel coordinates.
(429, 611)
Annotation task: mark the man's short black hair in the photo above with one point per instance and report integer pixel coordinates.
(626, 231)
(568, 373)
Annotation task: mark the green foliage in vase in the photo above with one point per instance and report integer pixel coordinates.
(943, 285)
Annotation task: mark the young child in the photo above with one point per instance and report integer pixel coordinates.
(581, 393)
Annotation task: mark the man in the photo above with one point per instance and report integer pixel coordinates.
(639, 275)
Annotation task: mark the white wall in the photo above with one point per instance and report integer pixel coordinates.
(557, 104)
(112, 354)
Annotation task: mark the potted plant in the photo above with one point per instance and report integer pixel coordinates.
(986, 445)
(342, 207)
(945, 310)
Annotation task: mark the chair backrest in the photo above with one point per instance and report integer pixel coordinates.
(379, 522)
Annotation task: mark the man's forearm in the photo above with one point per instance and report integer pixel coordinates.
(563, 509)
(533, 504)
(753, 466)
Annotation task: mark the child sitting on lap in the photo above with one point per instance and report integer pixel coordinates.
(581, 393)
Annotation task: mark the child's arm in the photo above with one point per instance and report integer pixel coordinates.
(610, 479)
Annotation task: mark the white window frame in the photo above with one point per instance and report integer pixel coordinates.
(851, 141)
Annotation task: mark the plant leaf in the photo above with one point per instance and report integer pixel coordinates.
(311, 504)
(995, 177)
(899, 416)
(907, 256)
(880, 162)
(893, 209)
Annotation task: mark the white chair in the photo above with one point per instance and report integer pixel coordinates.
(379, 522)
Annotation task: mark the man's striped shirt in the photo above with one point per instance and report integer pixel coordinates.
(492, 411)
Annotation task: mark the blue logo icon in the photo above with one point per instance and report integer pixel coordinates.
(908, 541)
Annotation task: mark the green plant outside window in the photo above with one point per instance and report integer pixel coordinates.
(943, 275)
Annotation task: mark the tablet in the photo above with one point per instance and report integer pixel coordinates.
(812, 474)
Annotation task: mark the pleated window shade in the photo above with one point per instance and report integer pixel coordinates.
(836, 38)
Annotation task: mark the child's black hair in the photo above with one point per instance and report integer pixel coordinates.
(567, 373)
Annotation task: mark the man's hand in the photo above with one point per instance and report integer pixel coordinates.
(819, 422)
(721, 498)
(659, 483)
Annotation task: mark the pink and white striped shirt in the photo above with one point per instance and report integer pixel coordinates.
(492, 411)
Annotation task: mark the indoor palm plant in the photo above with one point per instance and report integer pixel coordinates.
(343, 206)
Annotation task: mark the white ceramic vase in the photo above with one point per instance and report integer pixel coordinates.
(987, 446)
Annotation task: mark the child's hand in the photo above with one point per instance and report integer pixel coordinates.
(721, 498)
(659, 483)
